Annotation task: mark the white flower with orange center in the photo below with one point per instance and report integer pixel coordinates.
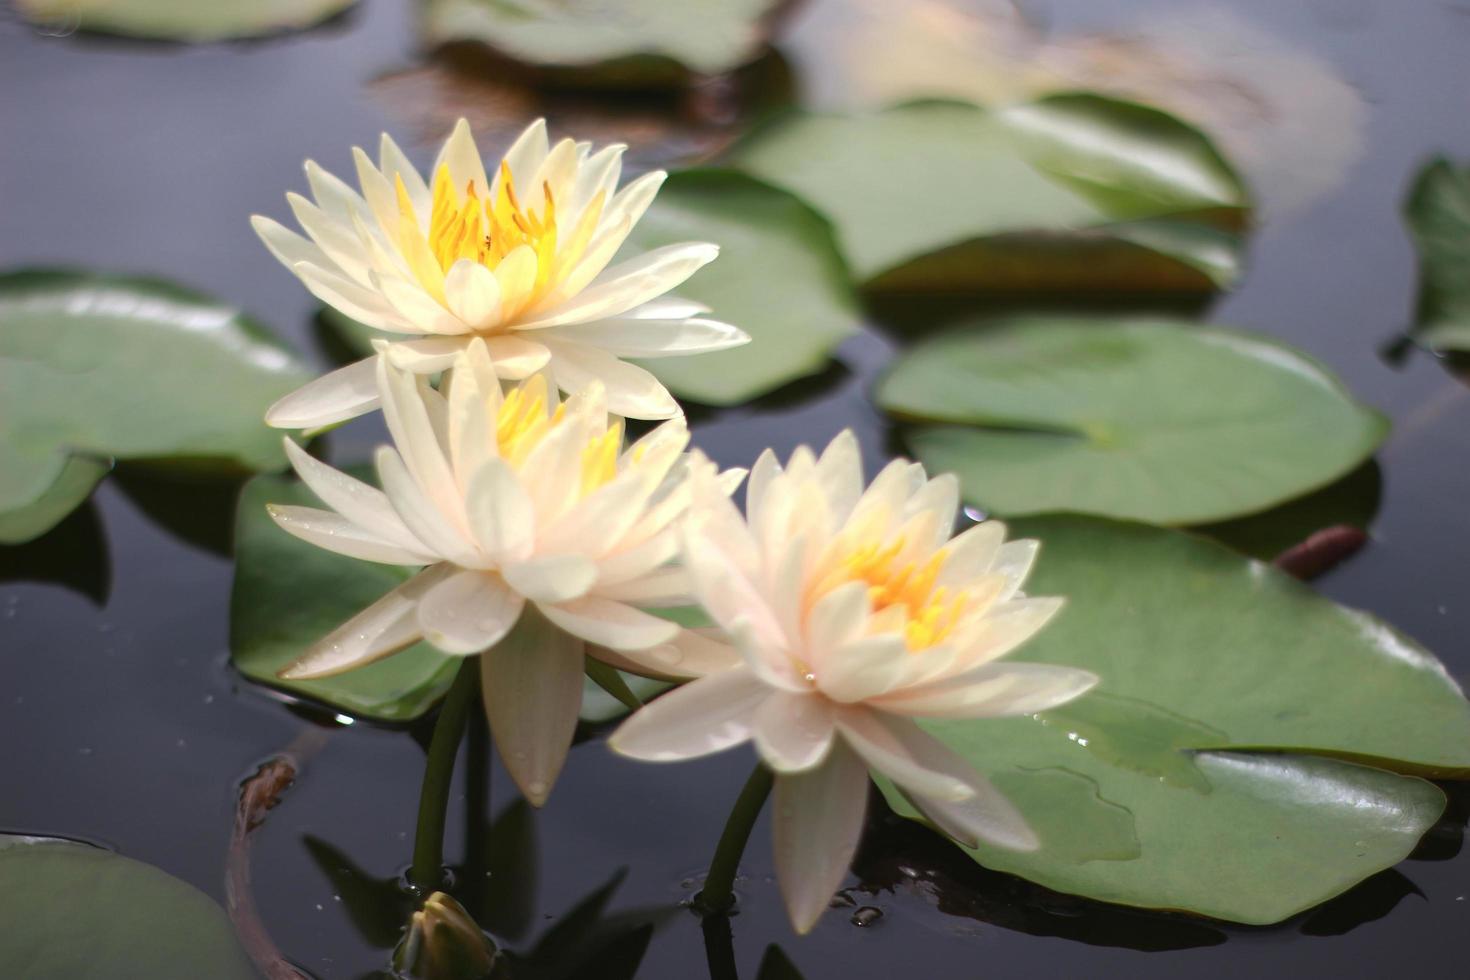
(540, 537)
(519, 257)
(855, 612)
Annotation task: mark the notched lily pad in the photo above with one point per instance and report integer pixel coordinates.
(73, 910)
(183, 20)
(95, 366)
(1073, 191)
(1204, 654)
(1438, 213)
(619, 41)
(1151, 420)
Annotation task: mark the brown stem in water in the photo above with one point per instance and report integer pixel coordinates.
(258, 794)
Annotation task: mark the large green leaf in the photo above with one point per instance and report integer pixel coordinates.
(72, 910)
(645, 39)
(101, 366)
(1070, 190)
(74, 483)
(778, 277)
(1438, 213)
(1147, 419)
(184, 20)
(288, 594)
(1201, 649)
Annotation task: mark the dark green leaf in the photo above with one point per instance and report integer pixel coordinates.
(1148, 419)
(100, 366)
(1438, 212)
(947, 195)
(184, 20)
(72, 910)
(705, 36)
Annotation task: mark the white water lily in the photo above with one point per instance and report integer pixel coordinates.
(519, 257)
(855, 612)
(540, 536)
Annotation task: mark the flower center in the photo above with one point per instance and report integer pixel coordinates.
(524, 421)
(465, 225)
(929, 613)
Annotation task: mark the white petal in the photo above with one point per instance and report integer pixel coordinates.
(524, 156)
(864, 668)
(996, 690)
(836, 620)
(382, 629)
(468, 612)
(941, 497)
(637, 337)
(335, 236)
(793, 731)
(532, 687)
(840, 471)
(516, 277)
(631, 391)
(1004, 628)
(615, 625)
(631, 284)
(462, 158)
(500, 512)
(817, 822)
(333, 532)
(705, 716)
(419, 515)
(337, 396)
(1014, 560)
(415, 306)
(516, 358)
(363, 505)
(473, 294)
(984, 814)
(899, 750)
(288, 247)
(970, 554)
(552, 578)
(691, 653)
(426, 355)
(726, 592)
(359, 302)
(405, 410)
(663, 588)
(394, 164)
(667, 308)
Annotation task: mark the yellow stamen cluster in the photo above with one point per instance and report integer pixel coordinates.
(524, 421)
(931, 613)
(467, 226)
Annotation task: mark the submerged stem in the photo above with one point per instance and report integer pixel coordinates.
(427, 872)
(718, 894)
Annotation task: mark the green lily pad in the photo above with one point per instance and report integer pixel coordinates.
(72, 910)
(78, 477)
(778, 277)
(1203, 653)
(184, 20)
(1072, 190)
(288, 594)
(96, 366)
(625, 40)
(1438, 212)
(1152, 420)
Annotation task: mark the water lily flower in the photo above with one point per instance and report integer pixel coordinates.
(518, 257)
(855, 612)
(539, 535)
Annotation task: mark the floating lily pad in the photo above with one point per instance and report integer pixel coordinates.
(1201, 649)
(1073, 190)
(78, 477)
(98, 366)
(1153, 420)
(778, 278)
(73, 910)
(643, 40)
(1438, 212)
(288, 594)
(183, 20)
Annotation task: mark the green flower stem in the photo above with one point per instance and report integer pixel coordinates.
(427, 873)
(718, 894)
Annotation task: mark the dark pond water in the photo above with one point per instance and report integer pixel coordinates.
(121, 722)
